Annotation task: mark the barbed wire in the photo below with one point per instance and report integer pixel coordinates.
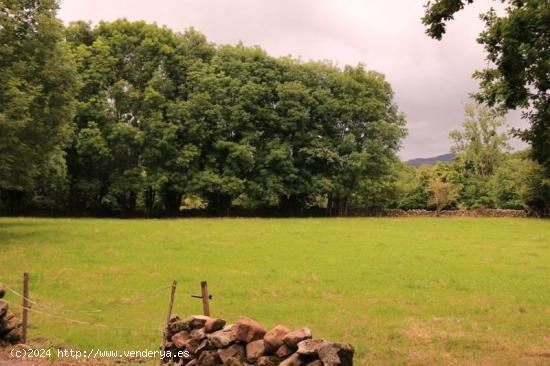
(134, 300)
(54, 312)
(93, 324)
(50, 307)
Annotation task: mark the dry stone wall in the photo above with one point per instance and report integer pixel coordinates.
(212, 342)
(10, 326)
(492, 212)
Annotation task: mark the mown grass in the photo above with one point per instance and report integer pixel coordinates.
(414, 291)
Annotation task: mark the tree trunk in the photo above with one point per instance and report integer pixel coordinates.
(132, 199)
(341, 206)
(149, 201)
(345, 206)
(291, 205)
(172, 201)
(12, 201)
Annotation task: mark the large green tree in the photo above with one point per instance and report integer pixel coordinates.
(38, 83)
(481, 145)
(481, 148)
(134, 102)
(518, 48)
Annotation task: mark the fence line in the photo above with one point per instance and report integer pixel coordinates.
(53, 313)
(50, 307)
(95, 311)
(93, 324)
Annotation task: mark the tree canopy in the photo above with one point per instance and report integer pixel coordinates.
(38, 84)
(129, 118)
(517, 45)
(483, 174)
(163, 117)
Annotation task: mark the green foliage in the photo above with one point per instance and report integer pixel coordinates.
(480, 147)
(131, 91)
(484, 174)
(169, 115)
(505, 184)
(517, 46)
(443, 186)
(411, 187)
(127, 118)
(163, 115)
(533, 186)
(429, 187)
(38, 81)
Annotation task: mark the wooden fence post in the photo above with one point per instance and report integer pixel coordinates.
(25, 307)
(205, 305)
(170, 306)
(171, 303)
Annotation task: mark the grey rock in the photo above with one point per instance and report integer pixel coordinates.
(205, 345)
(315, 363)
(197, 321)
(283, 351)
(337, 354)
(222, 338)
(235, 351)
(254, 350)
(209, 358)
(268, 361)
(192, 345)
(293, 338)
(311, 346)
(214, 324)
(248, 330)
(4, 306)
(292, 360)
(177, 326)
(180, 338)
(199, 333)
(274, 338)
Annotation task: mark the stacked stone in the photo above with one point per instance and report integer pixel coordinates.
(10, 326)
(212, 342)
(488, 212)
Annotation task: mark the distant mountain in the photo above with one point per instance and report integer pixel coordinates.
(446, 158)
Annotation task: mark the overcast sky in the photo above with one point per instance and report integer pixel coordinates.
(431, 79)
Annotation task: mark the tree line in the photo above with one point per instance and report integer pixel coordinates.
(485, 172)
(129, 118)
(517, 47)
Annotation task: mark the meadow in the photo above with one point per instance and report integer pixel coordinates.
(403, 291)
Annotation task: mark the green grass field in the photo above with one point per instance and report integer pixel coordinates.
(409, 291)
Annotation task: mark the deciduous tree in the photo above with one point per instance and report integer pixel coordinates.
(517, 46)
(38, 83)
